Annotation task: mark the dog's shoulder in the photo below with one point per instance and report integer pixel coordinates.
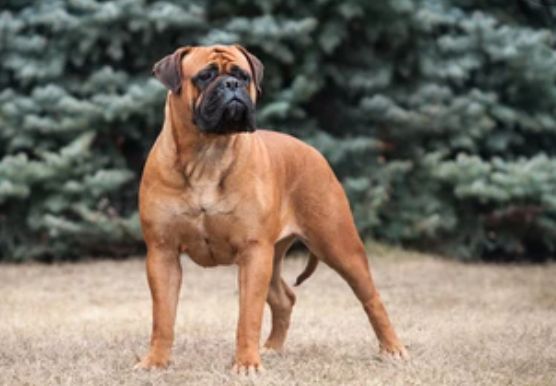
(277, 141)
(296, 156)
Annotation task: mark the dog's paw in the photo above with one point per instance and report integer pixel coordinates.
(152, 362)
(394, 351)
(272, 347)
(267, 352)
(247, 370)
(248, 367)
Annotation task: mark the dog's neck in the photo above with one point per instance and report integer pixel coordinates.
(199, 156)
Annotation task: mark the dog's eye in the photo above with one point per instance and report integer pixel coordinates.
(206, 76)
(241, 75)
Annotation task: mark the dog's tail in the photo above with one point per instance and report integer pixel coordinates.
(308, 271)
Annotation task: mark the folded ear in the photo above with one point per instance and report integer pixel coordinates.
(168, 69)
(257, 68)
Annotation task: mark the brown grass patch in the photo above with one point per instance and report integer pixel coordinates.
(81, 324)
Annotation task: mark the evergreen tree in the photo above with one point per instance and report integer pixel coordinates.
(438, 116)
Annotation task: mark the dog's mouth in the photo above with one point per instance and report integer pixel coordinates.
(221, 114)
(235, 110)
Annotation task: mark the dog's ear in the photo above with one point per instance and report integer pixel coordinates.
(257, 68)
(168, 69)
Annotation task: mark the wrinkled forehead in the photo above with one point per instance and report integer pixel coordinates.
(225, 57)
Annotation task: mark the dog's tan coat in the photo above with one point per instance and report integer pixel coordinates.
(242, 199)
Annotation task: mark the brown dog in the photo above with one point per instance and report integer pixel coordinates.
(223, 193)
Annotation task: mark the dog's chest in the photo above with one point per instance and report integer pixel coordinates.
(214, 224)
(207, 199)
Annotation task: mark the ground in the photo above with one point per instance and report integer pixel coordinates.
(464, 324)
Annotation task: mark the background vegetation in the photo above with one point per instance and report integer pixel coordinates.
(439, 116)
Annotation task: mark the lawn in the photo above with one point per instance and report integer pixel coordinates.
(86, 323)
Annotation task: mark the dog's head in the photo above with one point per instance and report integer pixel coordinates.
(218, 85)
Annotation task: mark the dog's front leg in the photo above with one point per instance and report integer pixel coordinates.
(255, 271)
(164, 276)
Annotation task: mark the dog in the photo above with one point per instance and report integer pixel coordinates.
(223, 192)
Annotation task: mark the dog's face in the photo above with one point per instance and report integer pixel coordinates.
(218, 86)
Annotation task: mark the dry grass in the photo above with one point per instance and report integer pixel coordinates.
(464, 324)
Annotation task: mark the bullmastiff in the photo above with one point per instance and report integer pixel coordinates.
(223, 192)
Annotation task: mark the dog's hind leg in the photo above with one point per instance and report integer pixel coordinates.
(329, 232)
(350, 261)
(280, 299)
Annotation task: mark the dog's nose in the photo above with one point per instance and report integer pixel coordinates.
(231, 83)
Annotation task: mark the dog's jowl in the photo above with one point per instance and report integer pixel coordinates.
(223, 192)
